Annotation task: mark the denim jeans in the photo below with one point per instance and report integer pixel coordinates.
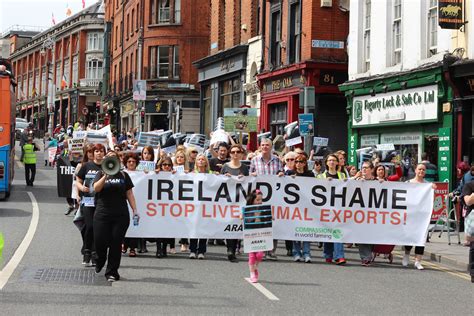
(297, 249)
(333, 250)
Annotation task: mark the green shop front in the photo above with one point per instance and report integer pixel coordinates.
(411, 110)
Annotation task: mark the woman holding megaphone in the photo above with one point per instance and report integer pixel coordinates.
(111, 220)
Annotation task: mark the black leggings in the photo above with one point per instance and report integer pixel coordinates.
(109, 233)
(89, 228)
(418, 250)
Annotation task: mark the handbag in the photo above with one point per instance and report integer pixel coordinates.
(469, 224)
(79, 219)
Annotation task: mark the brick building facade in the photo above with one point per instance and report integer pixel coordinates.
(234, 49)
(156, 40)
(58, 72)
(305, 46)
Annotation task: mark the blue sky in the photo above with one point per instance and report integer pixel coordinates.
(36, 12)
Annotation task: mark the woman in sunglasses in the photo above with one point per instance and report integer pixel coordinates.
(301, 170)
(130, 161)
(164, 165)
(234, 168)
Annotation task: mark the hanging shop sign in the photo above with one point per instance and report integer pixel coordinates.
(444, 156)
(450, 14)
(411, 105)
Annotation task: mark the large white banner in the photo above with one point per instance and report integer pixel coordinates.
(309, 209)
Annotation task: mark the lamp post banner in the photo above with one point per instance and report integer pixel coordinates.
(307, 209)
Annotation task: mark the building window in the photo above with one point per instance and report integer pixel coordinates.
(133, 20)
(229, 95)
(95, 41)
(66, 72)
(278, 118)
(397, 32)
(165, 11)
(164, 62)
(58, 75)
(128, 26)
(432, 28)
(30, 84)
(294, 46)
(75, 70)
(94, 69)
(367, 12)
(37, 83)
(138, 16)
(275, 35)
(207, 115)
(44, 83)
(116, 36)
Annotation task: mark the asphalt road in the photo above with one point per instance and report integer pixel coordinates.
(51, 280)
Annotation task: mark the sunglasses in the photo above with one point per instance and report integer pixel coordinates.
(166, 165)
(129, 161)
(300, 161)
(290, 159)
(235, 152)
(194, 152)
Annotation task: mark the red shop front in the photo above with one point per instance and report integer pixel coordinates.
(280, 106)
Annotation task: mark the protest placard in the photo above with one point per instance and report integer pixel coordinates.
(76, 145)
(144, 165)
(240, 119)
(149, 139)
(257, 228)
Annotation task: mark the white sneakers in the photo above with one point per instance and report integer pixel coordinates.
(297, 259)
(418, 265)
(192, 255)
(201, 256)
(307, 259)
(405, 260)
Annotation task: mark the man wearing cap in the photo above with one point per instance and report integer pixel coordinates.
(29, 159)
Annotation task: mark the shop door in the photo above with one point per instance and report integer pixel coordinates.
(278, 118)
(431, 148)
(158, 122)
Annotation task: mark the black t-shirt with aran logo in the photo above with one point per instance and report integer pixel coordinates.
(112, 200)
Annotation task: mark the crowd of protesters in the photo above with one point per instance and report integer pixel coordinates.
(106, 229)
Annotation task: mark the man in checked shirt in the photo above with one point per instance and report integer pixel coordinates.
(267, 164)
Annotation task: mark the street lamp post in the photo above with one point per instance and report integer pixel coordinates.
(49, 43)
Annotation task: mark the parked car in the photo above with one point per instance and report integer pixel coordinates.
(19, 119)
(19, 128)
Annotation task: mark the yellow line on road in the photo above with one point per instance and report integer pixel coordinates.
(438, 267)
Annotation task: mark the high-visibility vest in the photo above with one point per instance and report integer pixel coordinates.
(29, 156)
(340, 175)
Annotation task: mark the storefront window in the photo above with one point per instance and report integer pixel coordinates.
(229, 95)
(206, 101)
(278, 118)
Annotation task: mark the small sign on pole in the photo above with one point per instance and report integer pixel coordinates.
(306, 124)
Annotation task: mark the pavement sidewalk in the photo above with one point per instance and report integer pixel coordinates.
(454, 255)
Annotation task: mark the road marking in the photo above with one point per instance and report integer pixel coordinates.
(8, 270)
(263, 290)
(438, 267)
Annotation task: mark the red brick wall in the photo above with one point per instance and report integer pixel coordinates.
(317, 23)
(191, 35)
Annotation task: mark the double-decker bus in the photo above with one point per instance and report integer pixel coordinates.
(7, 127)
